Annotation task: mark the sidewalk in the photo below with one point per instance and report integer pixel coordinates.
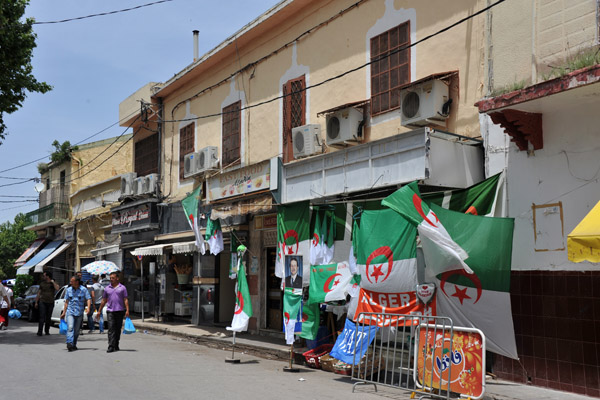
(276, 349)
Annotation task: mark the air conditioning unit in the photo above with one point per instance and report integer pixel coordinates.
(425, 103)
(306, 140)
(127, 182)
(150, 182)
(138, 185)
(190, 165)
(344, 127)
(208, 158)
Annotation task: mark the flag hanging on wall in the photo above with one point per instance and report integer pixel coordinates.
(293, 237)
(291, 314)
(214, 236)
(190, 208)
(329, 282)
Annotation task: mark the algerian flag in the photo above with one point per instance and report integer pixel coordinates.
(214, 234)
(479, 199)
(311, 319)
(291, 314)
(190, 208)
(328, 282)
(441, 252)
(482, 299)
(243, 303)
(293, 237)
(328, 237)
(352, 256)
(315, 245)
(233, 262)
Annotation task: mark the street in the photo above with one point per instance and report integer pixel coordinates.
(151, 366)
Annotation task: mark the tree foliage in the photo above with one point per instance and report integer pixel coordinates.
(17, 41)
(14, 240)
(62, 152)
(22, 283)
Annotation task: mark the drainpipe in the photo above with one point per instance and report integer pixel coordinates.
(195, 32)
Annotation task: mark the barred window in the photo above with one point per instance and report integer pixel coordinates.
(232, 122)
(392, 68)
(294, 112)
(186, 145)
(146, 156)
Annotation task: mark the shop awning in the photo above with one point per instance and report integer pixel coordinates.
(102, 251)
(40, 266)
(583, 243)
(184, 247)
(155, 250)
(45, 252)
(29, 252)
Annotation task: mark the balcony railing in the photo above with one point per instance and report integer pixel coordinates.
(55, 194)
(54, 211)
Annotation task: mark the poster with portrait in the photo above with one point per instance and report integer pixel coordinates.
(293, 273)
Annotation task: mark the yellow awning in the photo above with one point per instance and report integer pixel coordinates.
(583, 243)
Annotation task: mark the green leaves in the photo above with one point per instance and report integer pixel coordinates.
(14, 240)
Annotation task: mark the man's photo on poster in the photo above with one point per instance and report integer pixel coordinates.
(293, 272)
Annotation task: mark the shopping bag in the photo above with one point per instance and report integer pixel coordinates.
(128, 327)
(62, 327)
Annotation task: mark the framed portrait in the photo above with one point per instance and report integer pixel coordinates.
(293, 272)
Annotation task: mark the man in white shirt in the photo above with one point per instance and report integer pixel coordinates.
(7, 295)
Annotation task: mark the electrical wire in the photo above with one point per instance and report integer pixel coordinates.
(101, 14)
(6, 195)
(18, 183)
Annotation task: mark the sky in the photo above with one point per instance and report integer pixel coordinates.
(93, 64)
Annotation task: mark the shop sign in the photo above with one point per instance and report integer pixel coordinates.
(241, 181)
(135, 218)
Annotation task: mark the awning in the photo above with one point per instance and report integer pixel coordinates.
(29, 252)
(102, 251)
(40, 266)
(583, 243)
(155, 250)
(45, 252)
(184, 247)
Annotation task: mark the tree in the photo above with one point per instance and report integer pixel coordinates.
(62, 152)
(17, 41)
(14, 240)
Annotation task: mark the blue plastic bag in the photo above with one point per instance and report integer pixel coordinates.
(128, 327)
(14, 314)
(63, 327)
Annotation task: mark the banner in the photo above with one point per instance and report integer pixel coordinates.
(353, 339)
(390, 303)
(293, 237)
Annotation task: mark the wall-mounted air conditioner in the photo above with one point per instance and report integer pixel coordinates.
(344, 127)
(190, 164)
(127, 181)
(150, 183)
(425, 103)
(306, 140)
(208, 158)
(138, 185)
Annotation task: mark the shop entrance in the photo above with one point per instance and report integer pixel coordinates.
(274, 298)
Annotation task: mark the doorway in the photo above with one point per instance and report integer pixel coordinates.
(274, 295)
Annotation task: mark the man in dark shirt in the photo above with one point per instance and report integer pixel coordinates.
(44, 302)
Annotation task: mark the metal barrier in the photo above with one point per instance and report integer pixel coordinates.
(395, 357)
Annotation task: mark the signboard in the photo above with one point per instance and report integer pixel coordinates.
(136, 218)
(460, 360)
(241, 181)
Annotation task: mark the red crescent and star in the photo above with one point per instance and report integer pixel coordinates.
(385, 251)
(461, 294)
(328, 282)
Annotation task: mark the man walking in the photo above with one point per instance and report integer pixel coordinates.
(44, 302)
(76, 299)
(115, 297)
(96, 291)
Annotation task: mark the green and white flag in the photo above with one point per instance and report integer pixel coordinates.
(293, 237)
(316, 242)
(440, 251)
(479, 199)
(190, 208)
(311, 318)
(214, 236)
(243, 303)
(292, 304)
(328, 237)
(480, 300)
(328, 282)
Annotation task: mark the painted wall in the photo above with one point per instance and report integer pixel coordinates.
(336, 47)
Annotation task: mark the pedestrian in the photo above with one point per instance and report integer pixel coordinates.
(115, 299)
(96, 291)
(4, 298)
(77, 302)
(44, 302)
(104, 281)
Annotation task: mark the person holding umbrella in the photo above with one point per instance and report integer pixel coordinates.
(115, 297)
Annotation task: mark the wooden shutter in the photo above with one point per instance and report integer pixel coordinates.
(232, 123)
(294, 112)
(186, 145)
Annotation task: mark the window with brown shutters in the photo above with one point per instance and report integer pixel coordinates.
(294, 112)
(232, 124)
(390, 68)
(146, 156)
(186, 145)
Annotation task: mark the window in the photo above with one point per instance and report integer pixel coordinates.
(63, 176)
(294, 113)
(392, 69)
(186, 145)
(146, 155)
(232, 124)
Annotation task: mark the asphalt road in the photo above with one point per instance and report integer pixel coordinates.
(152, 366)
